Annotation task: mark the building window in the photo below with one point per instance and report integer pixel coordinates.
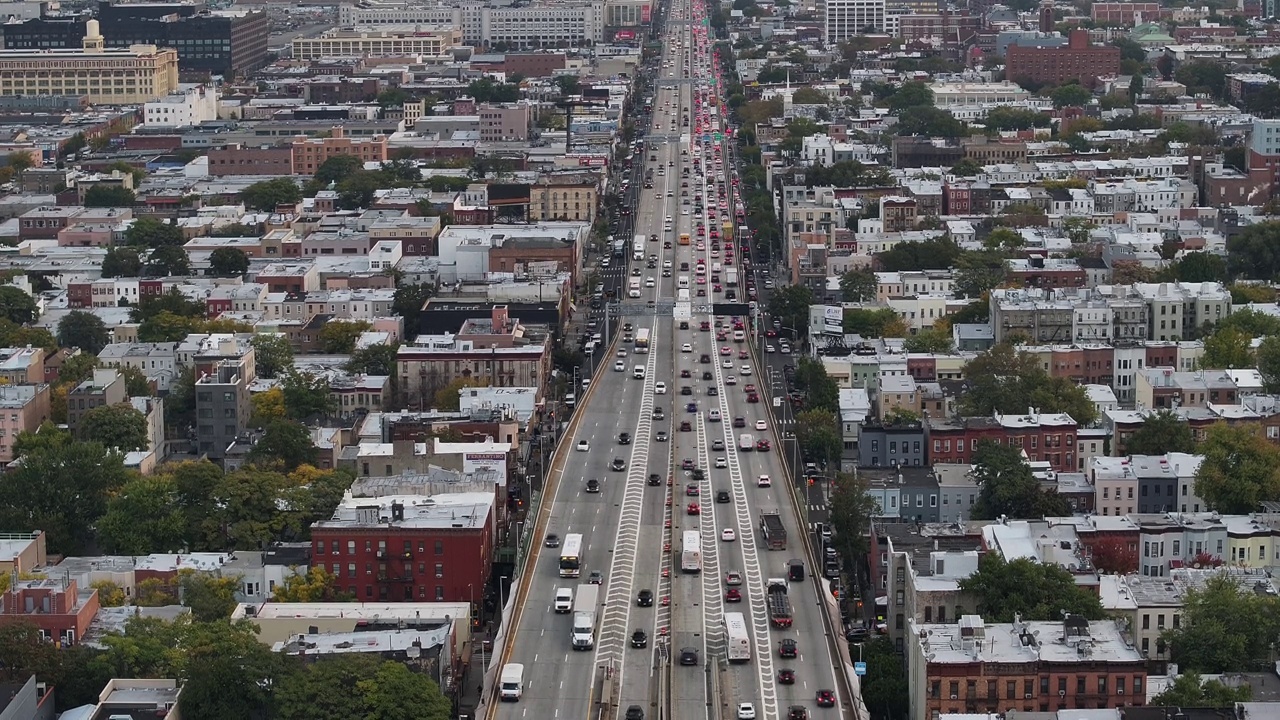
(439, 570)
(439, 547)
(439, 593)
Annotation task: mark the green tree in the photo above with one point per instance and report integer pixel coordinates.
(267, 195)
(228, 262)
(1226, 627)
(335, 169)
(1031, 589)
(285, 444)
(77, 368)
(235, 230)
(354, 685)
(1201, 267)
(790, 304)
(17, 306)
(858, 285)
(272, 354)
(1228, 348)
(819, 436)
(1007, 487)
(808, 96)
(144, 518)
(226, 672)
(977, 281)
(1268, 363)
(1070, 96)
(379, 359)
(1004, 379)
(932, 254)
(211, 598)
(1011, 118)
(966, 167)
(929, 121)
(910, 95)
(397, 693)
(339, 337)
(168, 260)
(121, 262)
(109, 196)
(936, 340)
(135, 382)
(1201, 76)
(168, 327)
(152, 233)
(1162, 432)
(119, 426)
(885, 688)
(83, 330)
(447, 399)
(35, 496)
(820, 390)
(1240, 469)
(1191, 690)
(1255, 252)
(14, 335)
(313, 585)
(305, 395)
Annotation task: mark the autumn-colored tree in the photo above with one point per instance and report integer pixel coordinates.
(315, 585)
(1114, 556)
(447, 398)
(154, 592)
(109, 593)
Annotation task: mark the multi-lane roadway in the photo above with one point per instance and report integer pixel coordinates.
(632, 528)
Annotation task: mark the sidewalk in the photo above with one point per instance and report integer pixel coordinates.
(471, 687)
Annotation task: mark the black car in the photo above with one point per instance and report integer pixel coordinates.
(639, 639)
(739, 422)
(645, 598)
(713, 391)
(705, 360)
(619, 464)
(722, 496)
(655, 479)
(706, 375)
(552, 540)
(787, 648)
(634, 712)
(624, 438)
(593, 485)
(658, 413)
(688, 656)
(686, 390)
(825, 698)
(797, 712)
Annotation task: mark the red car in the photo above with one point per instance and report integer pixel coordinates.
(762, 445)
(733, 595)
(726, 351)
(693, 509)
(826, 698)
(753, 398)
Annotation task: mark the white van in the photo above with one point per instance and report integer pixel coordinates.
(638, 372)
(683, 283)
(511, 681)
(564, 600)
(638, 255)
(746, 443)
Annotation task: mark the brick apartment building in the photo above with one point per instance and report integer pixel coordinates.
(1078, 60)
(383, 550)
(310, 153)
(241, 160)
(1049, 437)
(57, 607)
(970, 666)
(1126, 14)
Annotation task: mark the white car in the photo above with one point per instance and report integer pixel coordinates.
(687, 347)
(713, 416)
(770, 349)
(622, 352)
(583, 446)
(764, 481)
(722, 462)
(666, 264)
(727, 364)
(762, 425)
(728, 535)
(650, 282)
(660, 388)
(746, 711)
(586, 383)
(619, 366)
(745, 370)
(730, 380)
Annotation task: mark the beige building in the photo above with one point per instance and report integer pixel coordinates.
(345, 42)
(23, 408)
(571, 199)
(129, 76)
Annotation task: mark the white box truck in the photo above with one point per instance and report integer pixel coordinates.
(511, 682)
(584, 617)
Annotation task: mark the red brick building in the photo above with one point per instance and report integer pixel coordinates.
(1078, 61)
(1043, 436)
(57, 607)
(1125, 13)
(238, 160)
(409, 548)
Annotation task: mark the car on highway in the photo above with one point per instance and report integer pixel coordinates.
(717, 444)
(687, 464)
(733, 577)
(713, 391)
(659, 413)
(770, 349)
(733, 594)
(593, 485)
(595, 578)
(762, 425)
(730, 380)
(728, 535)
(634, 712)
(693, 509)
(639, 639)
(764, 481)
(786, 676)
(654, 479)
(722, 462)
(706, 375)
(797, 712)
(660, 436)
(691, 407)
(686, 373)
(685, 426)
(704, 359)
(618, 464)
(763, 445)
(746, 711)
(644, 598)
(753, 397)
(722, 496)
(744, 370)
(691, 490)
(739, 422)
(552, 540)
(686, 390)
(825, 698)
(787, 648)
(688, 656)
(624, 438)
(583, 446)
(727, 364)
(687, 347)
(659, 388)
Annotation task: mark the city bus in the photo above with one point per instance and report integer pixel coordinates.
(642, 340)
(684, 238)
(691, 552)
(571, 556)
(735, 630)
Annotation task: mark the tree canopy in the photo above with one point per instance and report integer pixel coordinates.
(1027, 588)
(121, 427)
(1006, 380)
(1161, 432)
(1007, 487)
(1190, 690)
(84, 330)
(1240, 469)
(1226, 627)
(228, 262)
(267, 195)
